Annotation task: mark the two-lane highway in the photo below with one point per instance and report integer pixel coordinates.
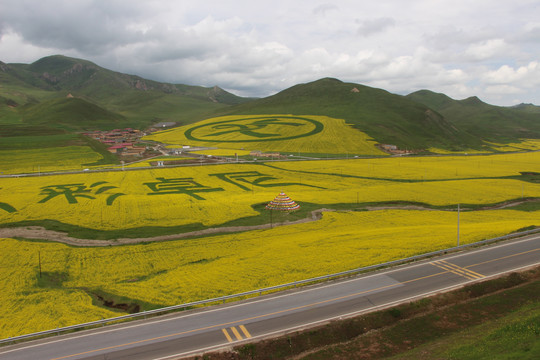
(182, 334)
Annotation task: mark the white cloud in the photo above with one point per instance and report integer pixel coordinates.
(487, 49)
(528, 75)
(258, 48)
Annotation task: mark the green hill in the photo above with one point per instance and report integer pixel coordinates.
(105, 98)
(388, 118)
(485, 121)
(58, 92)
(72, 114)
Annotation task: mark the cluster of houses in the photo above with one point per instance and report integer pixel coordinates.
(274, 155)
(121, 141)
(393, 149)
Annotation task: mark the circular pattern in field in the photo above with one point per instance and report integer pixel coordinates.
(255, 129)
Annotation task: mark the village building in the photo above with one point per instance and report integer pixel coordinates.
(260, 154)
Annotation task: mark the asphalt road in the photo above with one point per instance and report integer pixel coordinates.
(182, 334)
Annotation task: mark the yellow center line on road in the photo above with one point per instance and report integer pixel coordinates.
(468, 271)
(454, 271)
(277, 312)
(246, 319)
(236, 333)
(226, 333)
(501, 258)
(244, 330)
(469, 274)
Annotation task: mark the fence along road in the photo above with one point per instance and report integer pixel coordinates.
(179, 334)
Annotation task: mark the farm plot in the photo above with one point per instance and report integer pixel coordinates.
(46, 160)
(284, 133)
(167, 273)
(425, 168)
(214, 195)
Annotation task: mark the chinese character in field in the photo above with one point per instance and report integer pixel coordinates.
(252, 128)
(7, 207)
(186, 186)
(254, 178)
(73, 191)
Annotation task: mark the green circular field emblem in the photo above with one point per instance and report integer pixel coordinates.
(255, 129)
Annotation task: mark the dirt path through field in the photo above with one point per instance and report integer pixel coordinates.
(40, 233)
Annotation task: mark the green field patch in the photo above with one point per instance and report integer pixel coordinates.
(530, 176)
(27, 141)
(144, 277)
(7, 207)
(517, 338)
(54, 279)
(204, 260)
(264, 217)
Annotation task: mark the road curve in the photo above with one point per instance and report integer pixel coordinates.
(183, 334)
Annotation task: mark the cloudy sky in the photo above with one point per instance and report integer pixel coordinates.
(487, 48)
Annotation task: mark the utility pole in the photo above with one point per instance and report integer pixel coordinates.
(39, 259)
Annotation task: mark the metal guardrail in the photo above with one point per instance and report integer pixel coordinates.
(144, 314)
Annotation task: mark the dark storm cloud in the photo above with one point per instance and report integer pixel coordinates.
(85, 26)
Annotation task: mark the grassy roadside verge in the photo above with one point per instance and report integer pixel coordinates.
(499, 318)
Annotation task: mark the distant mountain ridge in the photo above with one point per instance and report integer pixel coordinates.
(74, 95)
(115, 99)
(482, 120)
(388, 118)
(59, 72)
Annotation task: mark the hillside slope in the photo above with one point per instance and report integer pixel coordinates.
(386, 117)
(72, 114)
(137, 101)
(489, 122)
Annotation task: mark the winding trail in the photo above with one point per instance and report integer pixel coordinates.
(41, 233)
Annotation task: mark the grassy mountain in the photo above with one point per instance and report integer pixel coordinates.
(59, 92)
(36, 93)
(485, 121)
(386, 117)
(72, 114)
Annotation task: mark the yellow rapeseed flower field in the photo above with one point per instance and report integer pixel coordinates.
(167, 273)
(223, 152)
(426, 167)
(284, 133)
(47, 159)
(523, 145)
(213, 195)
